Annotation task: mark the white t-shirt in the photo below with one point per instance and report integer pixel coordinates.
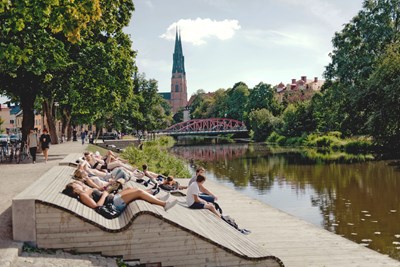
(193, 179)
(192, 190)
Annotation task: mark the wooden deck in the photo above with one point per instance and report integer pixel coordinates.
(144, 232)
(70, 159)
(294, 241)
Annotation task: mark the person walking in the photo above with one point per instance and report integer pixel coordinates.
(45, 141)
(83, 136)
(33, 144)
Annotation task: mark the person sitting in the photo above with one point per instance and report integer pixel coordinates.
(194, 201)
(205, 193)
(94, 198)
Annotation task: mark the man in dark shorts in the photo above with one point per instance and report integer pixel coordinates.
(194, 201)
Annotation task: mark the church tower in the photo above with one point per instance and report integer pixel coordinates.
(178, 80)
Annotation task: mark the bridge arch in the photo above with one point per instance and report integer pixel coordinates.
(207, 125)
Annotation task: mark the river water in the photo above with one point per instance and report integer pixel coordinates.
(360, 201)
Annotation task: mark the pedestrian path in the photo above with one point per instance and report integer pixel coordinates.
(14, 178)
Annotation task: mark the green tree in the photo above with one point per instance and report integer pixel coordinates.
(217, 108)
(354, 58)
(262, 123)
(383, 92)
(263, 96)
(236, 101)
(152, 114)
(30, 49)
(297, 119)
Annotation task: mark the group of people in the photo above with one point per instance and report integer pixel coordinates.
(95, 175)
(43, 142)
(98, 177)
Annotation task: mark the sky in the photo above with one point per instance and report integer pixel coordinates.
(228, 41)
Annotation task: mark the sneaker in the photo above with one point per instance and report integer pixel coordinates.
(170, 204)
(164, 198)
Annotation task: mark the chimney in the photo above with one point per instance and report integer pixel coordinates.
(304, 78)
(315, 79)
(293, 81)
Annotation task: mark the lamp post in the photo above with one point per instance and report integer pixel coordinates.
(56, 104)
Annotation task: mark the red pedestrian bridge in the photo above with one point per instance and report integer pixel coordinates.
(214, 126)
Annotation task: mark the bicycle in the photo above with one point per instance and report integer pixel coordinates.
(3, 151)
(22, 152)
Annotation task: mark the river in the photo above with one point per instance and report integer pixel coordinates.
(360, 201)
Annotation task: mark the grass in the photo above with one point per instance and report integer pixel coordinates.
(156, 156)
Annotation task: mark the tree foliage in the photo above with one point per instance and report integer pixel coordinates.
(357, 49)
(72, 52)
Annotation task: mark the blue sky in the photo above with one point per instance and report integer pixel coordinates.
(227, 41)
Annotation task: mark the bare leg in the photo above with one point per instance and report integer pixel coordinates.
(211, 207)
(115, 164)
(46, 154)
(130, 194)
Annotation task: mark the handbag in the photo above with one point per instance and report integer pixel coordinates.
(108, 211)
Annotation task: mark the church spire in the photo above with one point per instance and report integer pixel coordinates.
(178, 65)
(178, 80)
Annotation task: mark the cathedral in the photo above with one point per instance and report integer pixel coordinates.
(178, 96)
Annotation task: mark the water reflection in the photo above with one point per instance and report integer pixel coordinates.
(359, 201)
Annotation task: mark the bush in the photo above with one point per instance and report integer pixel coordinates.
(157, 157)
(355, 146)
(273, 137)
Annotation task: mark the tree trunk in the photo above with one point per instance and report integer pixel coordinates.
(50, 118)
(28, 113)
(66, 122)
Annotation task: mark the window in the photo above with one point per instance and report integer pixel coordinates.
(176, 88)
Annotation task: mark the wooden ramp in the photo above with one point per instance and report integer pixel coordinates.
(144, 232)
(70, 159)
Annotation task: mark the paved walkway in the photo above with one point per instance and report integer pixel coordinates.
(14, 178)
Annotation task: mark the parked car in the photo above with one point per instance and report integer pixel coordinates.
(4, 138)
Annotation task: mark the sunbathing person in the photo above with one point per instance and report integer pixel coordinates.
(194, 201)
(94, 198)
(170, 184)
(99, 164)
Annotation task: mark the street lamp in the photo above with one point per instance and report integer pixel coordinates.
(56, 104)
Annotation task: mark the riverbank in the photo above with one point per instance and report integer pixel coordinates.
(295, 241)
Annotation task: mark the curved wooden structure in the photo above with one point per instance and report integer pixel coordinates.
(144, 232)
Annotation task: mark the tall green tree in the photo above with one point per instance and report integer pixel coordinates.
(30, 50)
(263, 96)
(236, 101)
(383, 92)
(354, 57)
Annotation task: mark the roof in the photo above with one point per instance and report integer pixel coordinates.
(165, 95)
(15, 109)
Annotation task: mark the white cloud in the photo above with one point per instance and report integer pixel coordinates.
(264, 38)
(199, 30)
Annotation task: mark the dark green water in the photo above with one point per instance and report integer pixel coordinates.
(360, 201)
